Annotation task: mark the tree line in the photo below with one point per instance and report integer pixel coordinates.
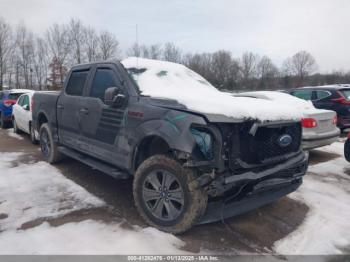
(41, 62)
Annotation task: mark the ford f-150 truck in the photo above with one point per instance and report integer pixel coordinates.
(196, 155)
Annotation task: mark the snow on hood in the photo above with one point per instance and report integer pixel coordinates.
(162, 79)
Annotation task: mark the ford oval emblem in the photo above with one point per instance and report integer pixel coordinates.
(284, 140)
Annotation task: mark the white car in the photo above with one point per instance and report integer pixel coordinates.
(22, 115)
(319, 125)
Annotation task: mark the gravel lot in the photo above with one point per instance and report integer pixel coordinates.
(42, 206)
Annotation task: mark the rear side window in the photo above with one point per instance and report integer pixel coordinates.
(14, 96)
(104, 78)
(303, 94)
(76, 83)
(321, 94)
(346, 93)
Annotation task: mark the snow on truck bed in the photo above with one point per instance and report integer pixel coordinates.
(174, 81)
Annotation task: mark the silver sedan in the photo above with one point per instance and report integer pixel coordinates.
(319, 126)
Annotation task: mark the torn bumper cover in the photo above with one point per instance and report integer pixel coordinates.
(268, 186)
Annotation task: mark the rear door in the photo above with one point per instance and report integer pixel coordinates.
(101, 123)
(68, 108)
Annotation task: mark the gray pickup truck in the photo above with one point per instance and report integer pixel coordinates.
(196, 155)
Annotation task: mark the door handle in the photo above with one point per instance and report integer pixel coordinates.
(84, 111)
(60, 107)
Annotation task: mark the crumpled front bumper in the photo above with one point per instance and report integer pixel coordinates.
(273, 184)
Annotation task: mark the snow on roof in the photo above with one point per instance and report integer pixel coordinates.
(16, 91)
(175, 81)
(301, 105)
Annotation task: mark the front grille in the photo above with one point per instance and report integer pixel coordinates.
(264, 145)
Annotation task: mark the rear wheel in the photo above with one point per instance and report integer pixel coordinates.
(48, 146)
(163, 195)
(347, 150)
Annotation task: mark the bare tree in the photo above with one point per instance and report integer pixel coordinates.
(171, 53)
(248, 65)
(58, 45)
(267, 72)
(5, 48)
(25, 47)
(108, 45)
(92, 43)
(77, 35)
(300, 65)
(41, 63)
(155, 51)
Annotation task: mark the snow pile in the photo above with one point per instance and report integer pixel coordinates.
(39, 191)
(174, 81)
(89, 238)
(32, 191)
(11, 133)
(326, 191)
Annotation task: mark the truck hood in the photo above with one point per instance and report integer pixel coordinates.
(165, 80)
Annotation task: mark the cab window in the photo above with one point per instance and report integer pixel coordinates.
(104, 78)
(76, 82)
(303, 94)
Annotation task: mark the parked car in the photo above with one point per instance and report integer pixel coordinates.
(330, 97)
(196, 155)
(22, 116)
(319, 126)
(7, 99)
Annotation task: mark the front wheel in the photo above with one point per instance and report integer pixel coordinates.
(347, 150)
(164, 197)
(48, 146)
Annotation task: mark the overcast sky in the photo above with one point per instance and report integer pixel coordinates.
(277, 28)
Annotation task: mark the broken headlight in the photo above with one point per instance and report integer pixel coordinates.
(204, 142)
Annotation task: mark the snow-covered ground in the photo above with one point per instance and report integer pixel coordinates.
(326, 191)
(33, 191)
(36, 190)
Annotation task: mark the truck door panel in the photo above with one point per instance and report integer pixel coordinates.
(68, 109)
(100, 123)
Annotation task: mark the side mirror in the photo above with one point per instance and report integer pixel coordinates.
(25, 107)
(114, 97)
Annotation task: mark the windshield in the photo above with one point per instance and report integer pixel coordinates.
(160, 78)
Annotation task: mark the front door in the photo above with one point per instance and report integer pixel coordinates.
(68, 109)
(101, 123)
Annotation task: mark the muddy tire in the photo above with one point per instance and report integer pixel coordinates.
(49, 148)
(32, 134)
(163, 195)
(347, 150)
(15, 127)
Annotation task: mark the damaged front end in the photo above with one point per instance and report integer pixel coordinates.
(246, 165)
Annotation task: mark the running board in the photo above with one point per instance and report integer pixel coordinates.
(94, 163)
